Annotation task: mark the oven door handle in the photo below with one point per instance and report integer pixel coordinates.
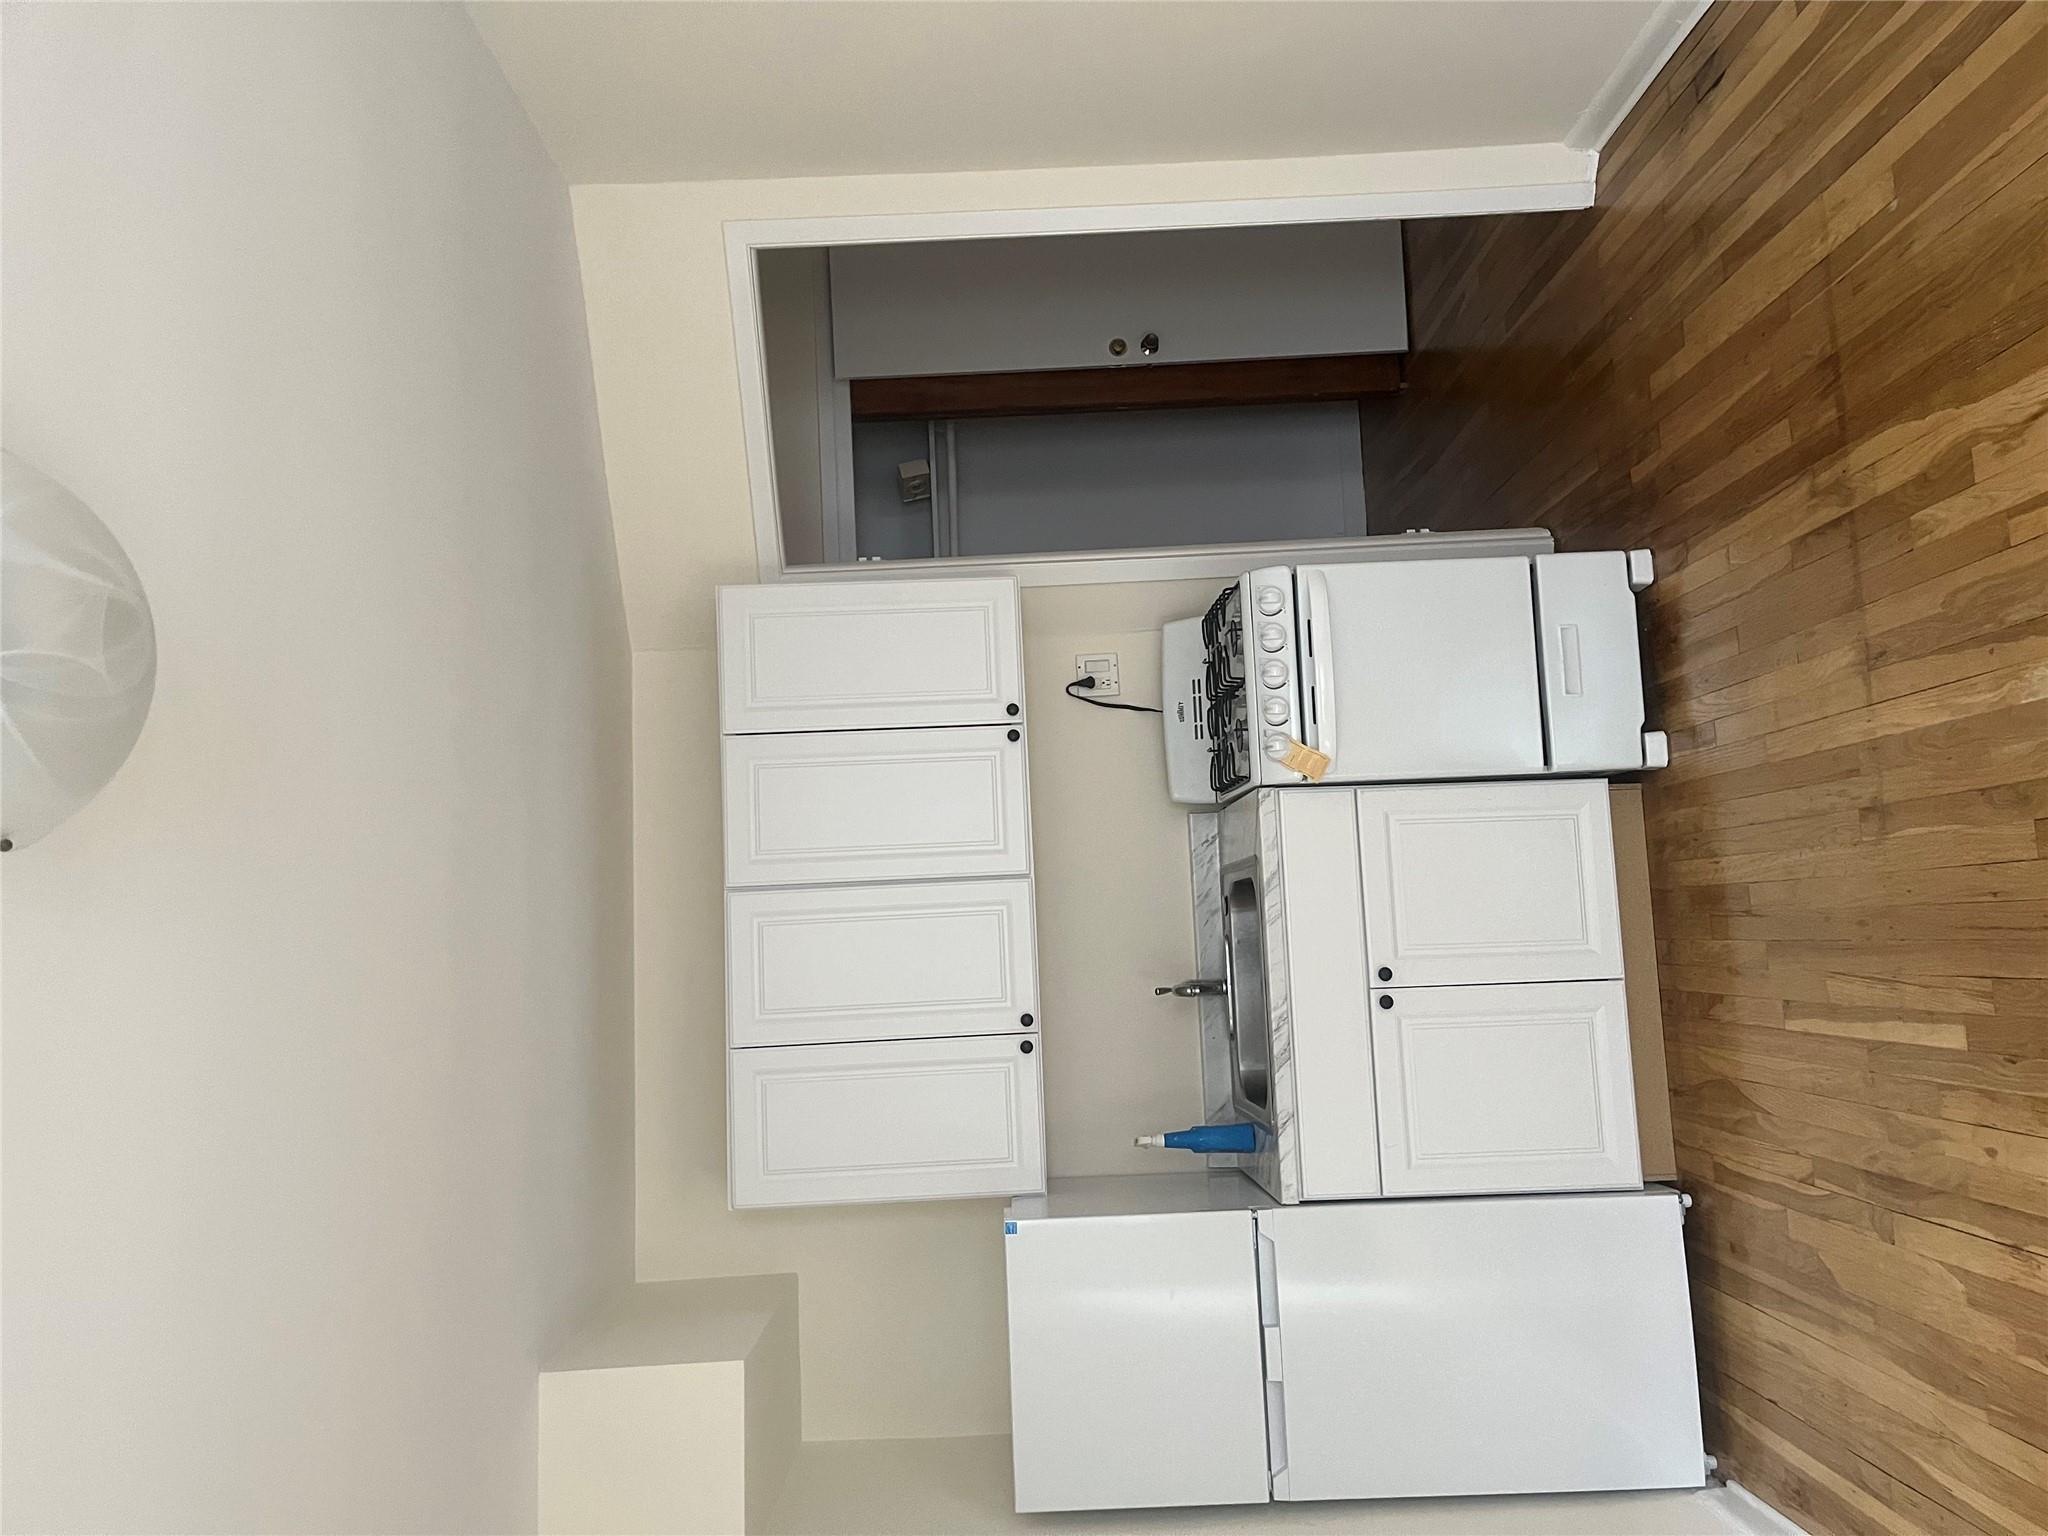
(1317, 640)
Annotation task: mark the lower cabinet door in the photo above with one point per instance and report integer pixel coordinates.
(1496, 1090)
(1481, 884)
(885, 1120)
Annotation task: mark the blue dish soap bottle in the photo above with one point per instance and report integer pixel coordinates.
(1240, 1137)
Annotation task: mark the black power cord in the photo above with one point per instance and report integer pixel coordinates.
(1089, 682)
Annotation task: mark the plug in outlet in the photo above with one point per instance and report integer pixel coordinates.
(1102, 667)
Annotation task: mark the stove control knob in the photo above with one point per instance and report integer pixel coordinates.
(1271, 600)
(1273, 674)
(1276, 745)
(1272, 637)
(1275, 710)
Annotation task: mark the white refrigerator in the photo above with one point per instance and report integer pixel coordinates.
(1178, 1339)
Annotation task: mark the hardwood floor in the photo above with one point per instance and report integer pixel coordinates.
(1801, 350)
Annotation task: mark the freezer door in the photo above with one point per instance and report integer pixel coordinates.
(1532, 1344)
(1422, 669)
(1592, 666)
(1136, 1375)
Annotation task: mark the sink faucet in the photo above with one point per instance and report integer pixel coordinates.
(1192, 989)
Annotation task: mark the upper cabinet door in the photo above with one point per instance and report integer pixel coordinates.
(886, 962)
(866, 806)
(864, 655)
(1500, 1090)
(1200, 295)
(886, 1120)
(1470, 883)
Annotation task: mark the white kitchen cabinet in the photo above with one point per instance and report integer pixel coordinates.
(1494, 1089)
(865, 655)
(881, 953)
(1475, 883)
(882, 962)
(1011, 305)
(885, 1120)
(1393, 957)
(866, 806)
(1136, 1377)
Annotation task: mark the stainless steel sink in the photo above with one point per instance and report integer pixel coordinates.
(1251, 1040)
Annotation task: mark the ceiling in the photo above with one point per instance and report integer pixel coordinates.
(691, 90)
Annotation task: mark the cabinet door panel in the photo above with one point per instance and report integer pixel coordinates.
(867, 806)
(1468, 883)
(879, 963)
(843, 655)
(1494, 1090)
(886, 1120)
(1204, 295)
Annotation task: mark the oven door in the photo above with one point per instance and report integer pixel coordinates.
(1422, 669)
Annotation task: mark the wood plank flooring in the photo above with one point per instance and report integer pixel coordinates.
(1801, 350)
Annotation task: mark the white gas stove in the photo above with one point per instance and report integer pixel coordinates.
(1501, 667)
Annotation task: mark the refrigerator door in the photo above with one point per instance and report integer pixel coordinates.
(1422, 669)
(1592, 666)
(1136, 1377)
(1532, 1344)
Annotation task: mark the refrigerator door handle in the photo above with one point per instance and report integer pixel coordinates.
(1268, 1268)
(1572, 659)
(1318, 640)
(1276, 1437)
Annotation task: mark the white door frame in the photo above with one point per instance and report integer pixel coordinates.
(743, 237)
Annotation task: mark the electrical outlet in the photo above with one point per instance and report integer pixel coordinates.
(1102, 667)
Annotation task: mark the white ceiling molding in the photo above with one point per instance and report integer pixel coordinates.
(1671, 24)
(723, 90)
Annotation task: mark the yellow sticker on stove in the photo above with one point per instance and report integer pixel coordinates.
(1305, 760)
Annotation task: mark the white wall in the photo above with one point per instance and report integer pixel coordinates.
(902, 1306)
(792, 340)
(316, 1053)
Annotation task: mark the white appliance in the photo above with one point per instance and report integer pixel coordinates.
(1176, 1339)
(1502, 667)
(1421, 989)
